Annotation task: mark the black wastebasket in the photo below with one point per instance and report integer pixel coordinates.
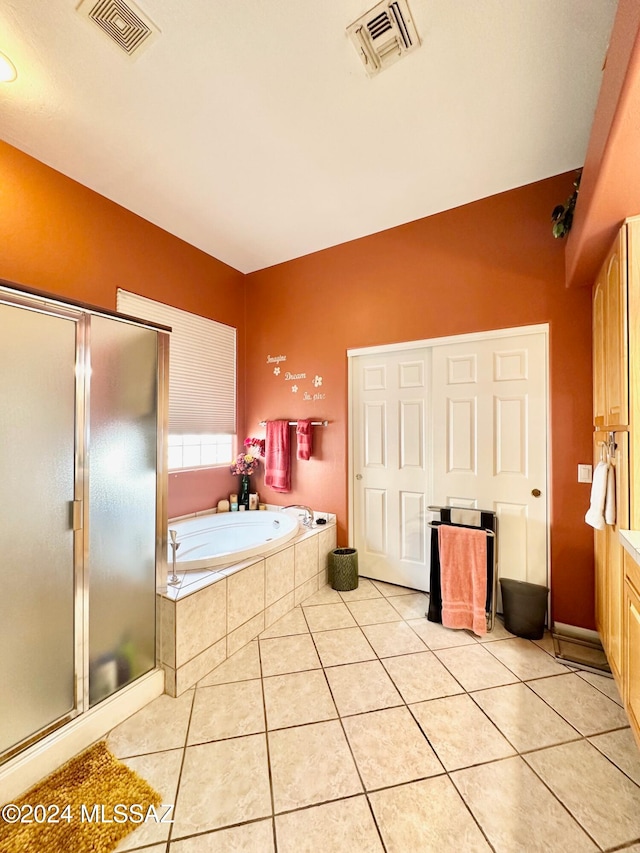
(343, 569)
(524, 606)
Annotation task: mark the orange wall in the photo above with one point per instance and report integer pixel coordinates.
(59, 236)
(610, 186)
(491, 264)
(488, 265)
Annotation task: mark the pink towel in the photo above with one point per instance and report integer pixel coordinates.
(277, 464)
(463, 577)
(304, 436)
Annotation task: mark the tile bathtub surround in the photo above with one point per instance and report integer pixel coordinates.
(314, 737)
(198, 630)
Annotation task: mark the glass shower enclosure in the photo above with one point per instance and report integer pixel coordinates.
(82, 406)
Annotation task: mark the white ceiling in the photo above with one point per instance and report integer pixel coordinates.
(250, 129)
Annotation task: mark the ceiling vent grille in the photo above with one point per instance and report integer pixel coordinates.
(385, 34)
(125, 24)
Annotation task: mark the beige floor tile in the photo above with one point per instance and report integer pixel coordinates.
(159, 726)
(223, 783)
(436, 636)
(621, 748)
(597, 794)
(602, 683)
(288, 654)
(546, 644)
(393, 638)
(227, 710)
(525, 659)
(582, 705)
(372, 611)
(414, 606)
(460, 733)
(513, 821)
(325, 595)
(298, 698)
(162, 771)
(310, 765)
(523, 718)
(365, 589)
(421, 676)
(291, 623)
(475, 668)
(343, 645)
(389, 748)
(346, 825)
(499, 632)
(251, 838)
(390, 589)
(325, 617)
(426, 816)
(361, 687)
(242, 666)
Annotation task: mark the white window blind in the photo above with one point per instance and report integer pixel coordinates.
(202, 366)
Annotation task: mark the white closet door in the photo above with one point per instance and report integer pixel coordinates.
(391, 487)
(489, 442)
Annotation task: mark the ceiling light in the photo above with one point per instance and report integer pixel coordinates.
(8, 71)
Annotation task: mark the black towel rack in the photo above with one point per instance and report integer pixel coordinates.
(483, 519)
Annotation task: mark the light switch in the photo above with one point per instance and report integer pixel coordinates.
(585, 473)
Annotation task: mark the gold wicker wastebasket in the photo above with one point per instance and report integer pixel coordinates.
(343, 568)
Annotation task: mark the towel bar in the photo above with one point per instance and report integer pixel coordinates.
(484, 517)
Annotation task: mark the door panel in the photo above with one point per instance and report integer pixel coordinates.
(489, 442)
(390, 454)
(37, 485)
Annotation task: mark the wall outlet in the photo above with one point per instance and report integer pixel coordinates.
(585, 473)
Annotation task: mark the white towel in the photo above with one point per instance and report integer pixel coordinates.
(610, 501)
(595, 513)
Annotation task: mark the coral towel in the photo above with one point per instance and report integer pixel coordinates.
(277, 462)
(463, 577)
(303, 434)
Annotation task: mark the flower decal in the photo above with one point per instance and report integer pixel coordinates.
(276, 371)
(294, 388)
(317, 381)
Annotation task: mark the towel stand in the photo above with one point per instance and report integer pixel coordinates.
(295, 423)
(483, 519)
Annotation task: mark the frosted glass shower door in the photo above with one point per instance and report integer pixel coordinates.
(122, 504)
(37, 477)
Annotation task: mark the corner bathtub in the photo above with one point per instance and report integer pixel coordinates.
(219, 539)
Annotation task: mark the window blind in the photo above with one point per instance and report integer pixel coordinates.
(202, 366)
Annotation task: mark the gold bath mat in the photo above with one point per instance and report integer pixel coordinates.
(89, 804)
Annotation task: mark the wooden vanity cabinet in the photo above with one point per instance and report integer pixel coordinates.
(616, 411)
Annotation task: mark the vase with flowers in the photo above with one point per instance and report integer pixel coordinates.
(245, 465)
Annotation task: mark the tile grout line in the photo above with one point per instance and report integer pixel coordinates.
(348, 742)
(266, 738)
(184, 755)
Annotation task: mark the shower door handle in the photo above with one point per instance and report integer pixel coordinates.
(76, 515)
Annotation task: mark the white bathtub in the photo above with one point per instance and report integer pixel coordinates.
(219, 539)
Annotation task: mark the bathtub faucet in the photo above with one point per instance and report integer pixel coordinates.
(308, 513)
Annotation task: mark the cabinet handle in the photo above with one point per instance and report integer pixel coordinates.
(536, 493)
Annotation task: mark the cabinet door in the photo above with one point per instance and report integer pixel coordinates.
(615, 343)
(599, 368)
(632, 654)
(615, 557)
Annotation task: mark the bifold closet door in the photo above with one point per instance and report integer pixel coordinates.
(37, 477)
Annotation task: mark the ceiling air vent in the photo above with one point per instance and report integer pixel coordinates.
(385, 34)
(124, 23)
